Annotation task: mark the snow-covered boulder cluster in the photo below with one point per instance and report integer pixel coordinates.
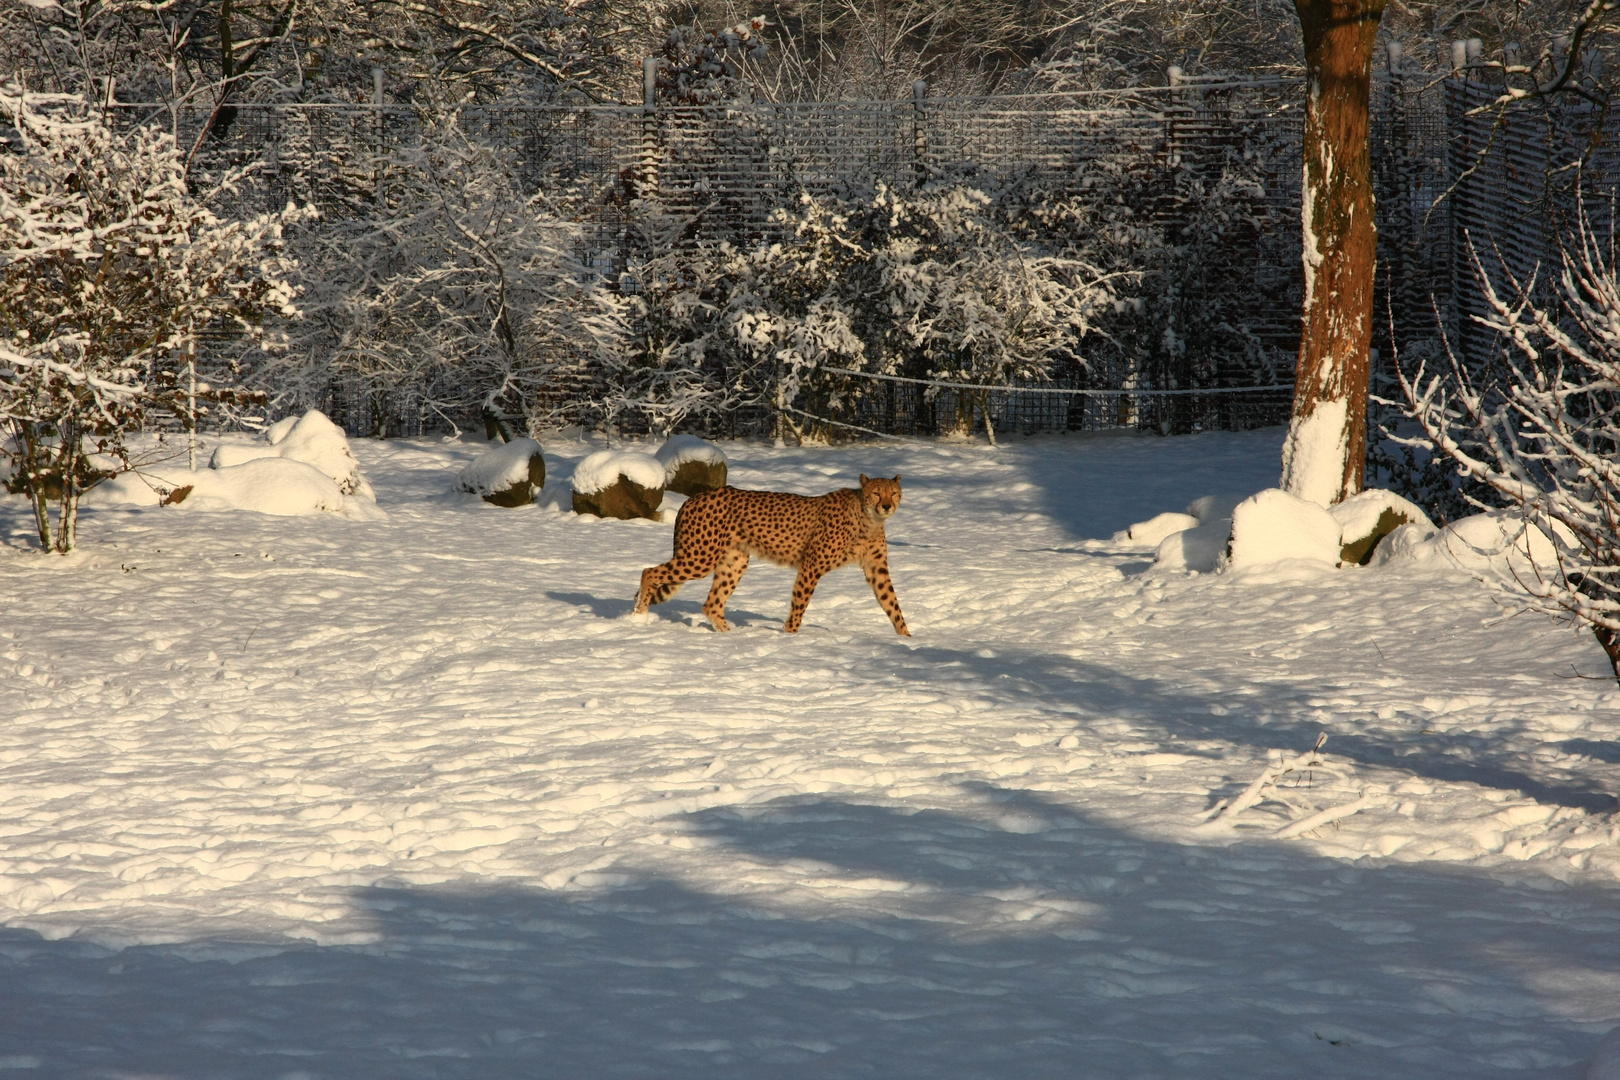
(509, 475)
(1196, 546)
(1272, 527)
(692, 465)
(312, 439)
(303, 466)
(619, 484)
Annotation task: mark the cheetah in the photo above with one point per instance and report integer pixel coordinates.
(717, 531)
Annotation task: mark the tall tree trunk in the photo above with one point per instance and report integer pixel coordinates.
(1326, 451)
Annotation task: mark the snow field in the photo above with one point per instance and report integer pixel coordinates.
(411, 797)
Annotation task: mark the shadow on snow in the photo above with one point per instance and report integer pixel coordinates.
(1013, 938)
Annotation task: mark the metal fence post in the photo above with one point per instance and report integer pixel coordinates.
(649, 127)
(919, 130)
(377, 130)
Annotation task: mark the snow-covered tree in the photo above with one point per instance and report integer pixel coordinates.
(1325, 455)
(926, 283)
(111, 269)
(1544, 433)
(456, 294)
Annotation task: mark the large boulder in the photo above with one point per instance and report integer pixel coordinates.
(692, 465)
(311, 439)
(1276, 527)
(509, 475)
(617, 484)
(1367, 518)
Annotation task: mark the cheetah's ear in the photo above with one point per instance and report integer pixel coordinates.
(864, 480)
(896, 478)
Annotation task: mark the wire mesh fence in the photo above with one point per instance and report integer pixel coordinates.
(1446, 173)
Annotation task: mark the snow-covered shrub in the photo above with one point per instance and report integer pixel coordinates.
(700, 68)
(692, 465)
(111, 269)
(927, 283)
(453, 294)
(619, 484)
(508, 475)
(312, 439)
(1546, 436)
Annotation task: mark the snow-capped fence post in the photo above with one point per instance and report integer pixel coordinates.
(919, 129)
(1324, 457)
(191, 399)
(649, 127)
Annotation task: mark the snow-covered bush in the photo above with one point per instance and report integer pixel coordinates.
(455, 294)
(927, 283)
(111, 269)
(1545, 436)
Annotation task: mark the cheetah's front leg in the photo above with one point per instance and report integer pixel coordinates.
(876, 568)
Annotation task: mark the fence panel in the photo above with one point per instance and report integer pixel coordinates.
(1445, 172)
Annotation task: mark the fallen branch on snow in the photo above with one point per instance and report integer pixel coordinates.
(1268, 786)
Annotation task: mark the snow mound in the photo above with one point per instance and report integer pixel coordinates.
(1275, 527)
(683, 448)
(1214, 507)
(279, 486)
(1156, 528)
(278, 430)
(501, 469)
(1500, 540)
(602, 470)
(1198, 549)
(311, 439)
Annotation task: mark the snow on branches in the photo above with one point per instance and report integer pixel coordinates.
(1544, 432)
(456, 294)
(925, 283)
(110, 269)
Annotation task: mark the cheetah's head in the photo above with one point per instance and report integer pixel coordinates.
(879, 496)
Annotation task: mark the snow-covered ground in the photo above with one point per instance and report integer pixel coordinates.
(413, 797)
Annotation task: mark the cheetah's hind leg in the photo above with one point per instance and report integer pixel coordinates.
(659, 583)
(727, 572)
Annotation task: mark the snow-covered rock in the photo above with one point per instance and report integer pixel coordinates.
(279, 486)
(1214, 507)
(1275, 527)
(509, 475)
(670, 508)
(312, 439)
(1198, 549)
(1500, 541)
(1365, 519)
(692, 465)
(1156, 528)
(604, 468)
(619, 484)
(278, 430)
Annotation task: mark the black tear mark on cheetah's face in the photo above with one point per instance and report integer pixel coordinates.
(718, 531)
